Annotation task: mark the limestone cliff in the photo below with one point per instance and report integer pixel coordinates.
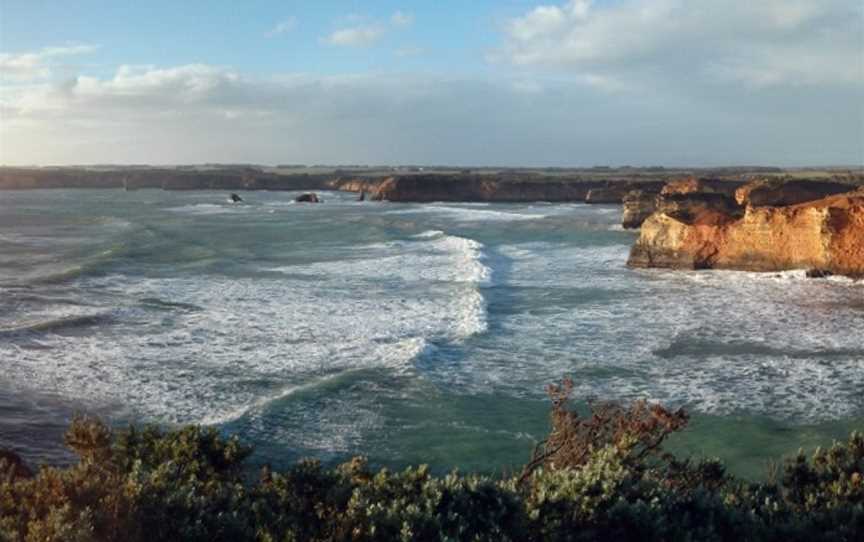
(488, 188)
(616, 192)
(826, 234)
(638, 205)
(702, 185)
(781, 192)
(679, 196)
(164, 178)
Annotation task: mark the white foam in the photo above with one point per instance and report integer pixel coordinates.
(774, 344)
(464, 213)
(429, 234)
(205, 209)
(431, 256)
(256, 340)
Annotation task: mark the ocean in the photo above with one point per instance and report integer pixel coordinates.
(408, 333)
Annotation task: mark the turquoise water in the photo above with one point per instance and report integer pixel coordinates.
(407, 333)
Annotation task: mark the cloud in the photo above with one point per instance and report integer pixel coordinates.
(199, 113)
(282, 27)
(357, 36)
(401, 19)
(36, 65)
(405, 52)
(365, 33)
(765, 43)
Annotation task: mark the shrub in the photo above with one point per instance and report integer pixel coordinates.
(599, 477)
(637, 431)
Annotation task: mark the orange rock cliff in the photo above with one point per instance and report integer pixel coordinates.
(825, 233)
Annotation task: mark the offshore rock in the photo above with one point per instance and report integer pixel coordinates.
(818, 273)
(309, 197)
(826, 234)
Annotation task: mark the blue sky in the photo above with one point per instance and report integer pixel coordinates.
(568, 82)
(454, 34)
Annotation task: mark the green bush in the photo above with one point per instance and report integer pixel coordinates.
(192, 484)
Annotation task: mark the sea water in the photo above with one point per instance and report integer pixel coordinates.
(408, 333)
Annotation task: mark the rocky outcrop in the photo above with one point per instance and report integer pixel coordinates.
(606, 195)
(782, 192)
(680, 197)
(309, 197)
(701, 185)
(638, 205)
(616, 192)
(688, 206)
(825, 234)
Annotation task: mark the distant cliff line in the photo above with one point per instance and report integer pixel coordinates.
(590, 185)
(165, 179)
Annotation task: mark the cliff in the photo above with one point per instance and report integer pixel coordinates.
(780, 192)
(825, 234)
(702, 185)
(489, 188)
(677, 196)
(616, 192)
(164, 178)
(638, 205)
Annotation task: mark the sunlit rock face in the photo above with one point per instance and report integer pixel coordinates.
(774, 192)
(436, 187)
(825, 234)
(638, 205)
(679, 196)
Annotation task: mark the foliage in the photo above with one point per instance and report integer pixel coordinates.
(637, 431)
(599, 477)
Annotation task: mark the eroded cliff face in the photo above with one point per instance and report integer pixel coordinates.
(825, 234)
(616, 192)
(702, 185)
(679, 197)
(638, 206)
(782, 192)
(466, 188)
(166, 179)
(485, 188)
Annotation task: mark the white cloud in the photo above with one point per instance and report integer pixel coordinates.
(36, 65)
(282, 27)
(401, 19)
(196, 113)
(404, 52)
(770, 42)
(364, 33)
(356, 36)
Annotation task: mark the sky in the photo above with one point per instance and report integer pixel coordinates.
(443, 82)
